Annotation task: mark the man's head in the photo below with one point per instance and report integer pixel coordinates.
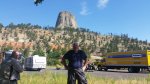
(75, 46)
(15, 54)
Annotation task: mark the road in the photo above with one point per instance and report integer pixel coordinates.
(114, 74)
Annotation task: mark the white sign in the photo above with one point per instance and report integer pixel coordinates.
(136, 55)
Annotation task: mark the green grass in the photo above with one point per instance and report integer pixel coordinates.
(54, 78)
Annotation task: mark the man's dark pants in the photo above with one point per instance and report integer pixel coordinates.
(76, 74)
(13, 82)
(8, 82)
(2, 81)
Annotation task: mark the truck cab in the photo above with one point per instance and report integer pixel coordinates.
(100, 63)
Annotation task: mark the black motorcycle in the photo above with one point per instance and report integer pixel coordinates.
(90, 67)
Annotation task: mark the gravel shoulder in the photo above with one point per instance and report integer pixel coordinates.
(113, 74)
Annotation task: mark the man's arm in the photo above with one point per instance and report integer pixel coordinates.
(17, 66)
(64, 58)
(63, 61)
(85, 63)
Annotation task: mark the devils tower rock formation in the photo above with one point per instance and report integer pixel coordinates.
(66, 19)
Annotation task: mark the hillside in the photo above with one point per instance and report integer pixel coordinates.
(36, 38)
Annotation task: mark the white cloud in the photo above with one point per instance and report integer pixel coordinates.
(84, 9)
(102, 3)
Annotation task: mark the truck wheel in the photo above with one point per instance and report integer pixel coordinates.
(106, 69)
(130, 70)
(133, 70)
(38, 69)
(136, 70)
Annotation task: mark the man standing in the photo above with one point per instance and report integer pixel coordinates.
(77, 64)
(16, 68)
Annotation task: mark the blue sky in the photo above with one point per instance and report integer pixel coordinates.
(130, 17)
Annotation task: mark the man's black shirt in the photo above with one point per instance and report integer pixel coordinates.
(75, 59)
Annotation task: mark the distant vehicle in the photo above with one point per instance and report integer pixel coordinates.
(58, 67)
(90, 67)
(134, 61)
(35, 62)
(7, 56)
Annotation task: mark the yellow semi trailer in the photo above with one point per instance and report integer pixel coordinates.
(133, 61)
